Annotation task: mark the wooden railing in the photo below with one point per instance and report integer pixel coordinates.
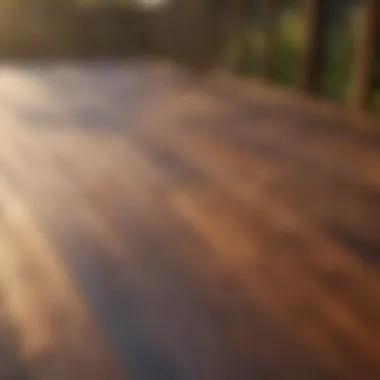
(74, 32)
(201, 32)
(364, 61)
(364, 76)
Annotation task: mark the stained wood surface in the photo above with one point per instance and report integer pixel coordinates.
(159, 225)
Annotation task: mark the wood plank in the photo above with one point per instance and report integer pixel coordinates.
(253, 261)
(57, 335)
(172, 225)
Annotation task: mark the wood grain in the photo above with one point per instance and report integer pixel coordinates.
(161, 225)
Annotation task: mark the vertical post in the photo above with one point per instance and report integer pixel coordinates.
(311, 68)
(234, 34)
(272, 11)
(365, 54)
(244, 36)
(214, 37)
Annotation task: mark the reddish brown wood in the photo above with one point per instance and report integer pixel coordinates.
(195, 228)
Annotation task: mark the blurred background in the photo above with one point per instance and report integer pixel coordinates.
(210, 234)
(270, 38)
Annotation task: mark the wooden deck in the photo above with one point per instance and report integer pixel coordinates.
(158, 225)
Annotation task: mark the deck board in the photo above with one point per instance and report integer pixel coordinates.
(161, 225)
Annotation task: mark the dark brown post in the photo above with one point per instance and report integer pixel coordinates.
(244, 23)
(234, 33)
(272, 29)
(365, 54)
(312, 56)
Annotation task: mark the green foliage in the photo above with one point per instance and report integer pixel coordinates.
(344, 23)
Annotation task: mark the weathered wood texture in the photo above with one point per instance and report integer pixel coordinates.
(162, 226)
